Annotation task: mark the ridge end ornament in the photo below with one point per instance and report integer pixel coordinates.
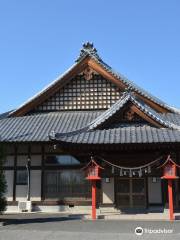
(88, 49)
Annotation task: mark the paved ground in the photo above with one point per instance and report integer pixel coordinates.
(58, 226)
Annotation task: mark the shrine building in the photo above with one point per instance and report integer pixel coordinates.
(90, 112)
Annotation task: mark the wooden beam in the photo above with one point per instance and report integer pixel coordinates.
(178, 180)
(87, 62)
(146, 117)
(95, 66)
(42, 173)
(29, 173)
(49, 92)
(15, 173)
(147, 192)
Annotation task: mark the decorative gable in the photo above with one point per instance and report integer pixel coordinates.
(126, 116)
(129, 109)
(86, 91)
(129, 116)
(89, 84)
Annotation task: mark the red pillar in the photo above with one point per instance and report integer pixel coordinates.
(93, 199)
(170, 193)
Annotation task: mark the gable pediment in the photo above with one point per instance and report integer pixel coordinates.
(86, 91)
(88, 65)
(132, 111)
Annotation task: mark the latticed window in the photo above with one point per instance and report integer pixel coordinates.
(82, 94)
(63, 184)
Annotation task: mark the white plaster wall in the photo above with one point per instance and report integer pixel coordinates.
(154, 191)
(108, 191)
(35, 188)
(9, 175)
(21, 192)
(36, 160)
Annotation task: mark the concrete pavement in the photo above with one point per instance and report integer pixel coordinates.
(58, 226)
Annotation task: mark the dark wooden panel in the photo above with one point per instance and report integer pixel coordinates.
(15, 173)
(42, 173)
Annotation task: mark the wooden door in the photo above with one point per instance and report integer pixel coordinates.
(130, 192)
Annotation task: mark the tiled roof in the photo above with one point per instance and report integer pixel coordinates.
(129, 133)
(106, 115)
(123, 135)
(37, 128)
(83, 127)
(89, 50)
(5, 115)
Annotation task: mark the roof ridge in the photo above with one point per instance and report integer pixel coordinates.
(88, 49)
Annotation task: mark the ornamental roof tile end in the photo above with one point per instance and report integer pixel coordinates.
(88, 49)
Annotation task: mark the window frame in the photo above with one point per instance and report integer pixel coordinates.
(69, 165)
(19, 181)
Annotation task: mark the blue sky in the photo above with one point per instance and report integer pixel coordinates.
(40, 39)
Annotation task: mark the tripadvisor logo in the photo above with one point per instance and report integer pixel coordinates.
(139, 231)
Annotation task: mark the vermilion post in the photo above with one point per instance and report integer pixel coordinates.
(93, 199)
(170, 193)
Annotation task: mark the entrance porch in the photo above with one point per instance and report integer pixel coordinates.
(137, 194)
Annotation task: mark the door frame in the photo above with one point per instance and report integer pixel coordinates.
(131, 194)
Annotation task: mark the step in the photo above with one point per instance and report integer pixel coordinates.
(108, 210)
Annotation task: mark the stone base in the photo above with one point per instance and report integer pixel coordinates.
(63, 208)
(52, 209)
